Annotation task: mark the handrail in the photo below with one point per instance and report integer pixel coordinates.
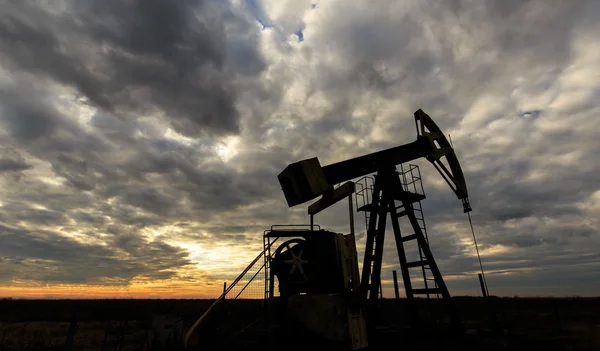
(250, 281)
(222, 296)
(273, 227)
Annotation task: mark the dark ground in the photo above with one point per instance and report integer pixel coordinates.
(525, 324)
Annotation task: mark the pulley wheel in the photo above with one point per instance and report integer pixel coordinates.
(290, 260)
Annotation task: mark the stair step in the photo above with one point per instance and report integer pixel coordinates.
(409, 237)
(417, 263)
(427, 291)
(400, 214)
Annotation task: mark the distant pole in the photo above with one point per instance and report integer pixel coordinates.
(396, 285)
(482, 285)
(224, 288)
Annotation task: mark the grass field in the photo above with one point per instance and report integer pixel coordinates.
(526, 323)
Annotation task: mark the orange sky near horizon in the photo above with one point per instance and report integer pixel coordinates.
(163, 292)
(98, 292)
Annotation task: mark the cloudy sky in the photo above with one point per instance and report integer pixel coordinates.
(140, 140)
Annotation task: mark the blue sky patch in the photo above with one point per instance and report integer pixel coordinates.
(259, 13)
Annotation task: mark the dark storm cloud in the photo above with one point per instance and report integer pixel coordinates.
(140, 154)
(110, 186)
(178, 62)
(45, 256)
(8, 165)
(521, 198)
(133, 57)
(526, 187)
(441, 57)
(459, 61)
(94, 219)
(12, 161)
(27, 112)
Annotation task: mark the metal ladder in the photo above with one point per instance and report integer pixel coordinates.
(410, 177)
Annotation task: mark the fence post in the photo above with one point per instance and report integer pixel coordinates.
(396, 285)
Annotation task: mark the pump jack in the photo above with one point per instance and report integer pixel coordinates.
(305, 180)
(318, 271)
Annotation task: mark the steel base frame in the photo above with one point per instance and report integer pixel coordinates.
(387, 190)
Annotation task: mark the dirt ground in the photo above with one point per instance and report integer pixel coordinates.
(500, 324)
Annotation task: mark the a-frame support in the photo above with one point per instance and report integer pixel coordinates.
(387, 190)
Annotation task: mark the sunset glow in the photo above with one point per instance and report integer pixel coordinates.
(140, 142)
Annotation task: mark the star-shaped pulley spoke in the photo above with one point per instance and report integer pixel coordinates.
(296, 262)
